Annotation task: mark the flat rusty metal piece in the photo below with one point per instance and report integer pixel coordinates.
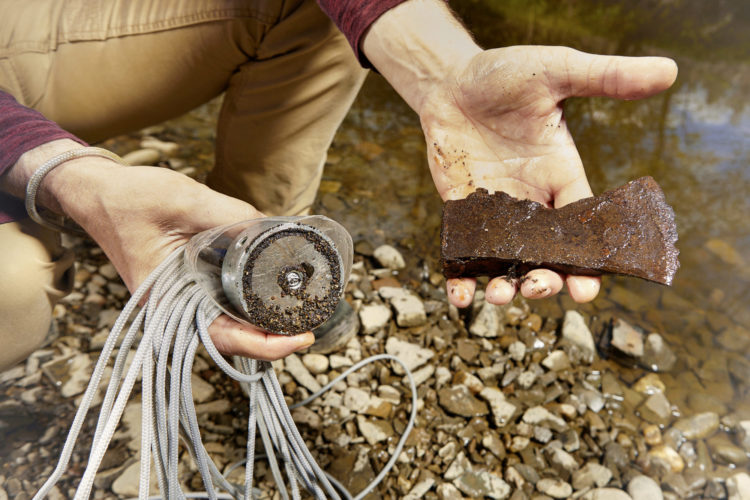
(629, 231)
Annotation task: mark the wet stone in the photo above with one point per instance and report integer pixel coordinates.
(698, 426)
(669, 456)
(644, 487)
(575, 331)
(590, 475)
(627, 339)
(657, 355)
(527, 234)
(555, 488)
(738, 486)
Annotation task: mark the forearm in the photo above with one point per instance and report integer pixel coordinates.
(417, 45)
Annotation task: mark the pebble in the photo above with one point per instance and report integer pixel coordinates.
(591, 474)
(356, 399)
(627, 339)
(387, 256)
(459, 465)
(557, 361)
(556, 488)
(540, 415)
(316, 363)
(575, 331)
(656, 409)
(608, 494)
(645, 488)
(517, 350)
(374, 430)
(458, 400)
(487, 323)
(409, 308)
(669, 456)
(294, 366)
(698, 426)
(168, 149)
(373, 317)
(482, 484)
(502, 410)
(446, 491)
(738, 486)
(145, 156)
(649, 384)
(412, 355)
(202, 390)
(419, 490)
(108, 271)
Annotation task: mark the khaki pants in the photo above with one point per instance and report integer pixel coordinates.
(100, 68)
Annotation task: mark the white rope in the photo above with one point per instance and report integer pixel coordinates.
(174, 322)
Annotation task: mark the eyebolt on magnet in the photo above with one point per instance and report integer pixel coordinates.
(285, 275)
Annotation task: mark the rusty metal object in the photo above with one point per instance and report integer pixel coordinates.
(628, 231)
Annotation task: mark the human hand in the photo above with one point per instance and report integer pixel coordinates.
(139, 215)
(497, 123)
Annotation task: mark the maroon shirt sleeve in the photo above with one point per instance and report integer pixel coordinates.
(21, 129)
(353, 17)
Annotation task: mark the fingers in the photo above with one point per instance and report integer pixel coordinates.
(579, 74)
(541, 283)
(583, 288)
(235, 339)
(501, 290)
(461, 291)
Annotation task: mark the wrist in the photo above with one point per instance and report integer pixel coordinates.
(417, 46)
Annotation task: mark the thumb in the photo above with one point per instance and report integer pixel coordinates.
(579, 74)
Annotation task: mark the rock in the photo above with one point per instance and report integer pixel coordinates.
(356, 399)
(738, 486)
(419, 490)
(168, 149)
(482, 484)
(555, 488)
(294, 366)
(316, 363)
(487, 323)
(373, 317)
(412, 355)
(456, 469)
(467, 350)
(698, 426)
(202, 390)
(540, 415)
(458, 400)
(517, 350)
(442, 376)
(422, 375)
(669, 456)
(608, 494)
(465, 378)
(374, 430)
(575, 331)
(627, 339)
(502, 410)
(446, 491)
(591, 474)
(108, 271)
(389, 257)
(409, 308)
(743, 432)
(214, 407)
(649, 384)
(556, 361)
(304, 415)
(644, 487)
(146, 156)
(562, 461)
(71, 373)
(657, 355)
(338, 361)
(726, 452)
(656, 409)
(126, 485)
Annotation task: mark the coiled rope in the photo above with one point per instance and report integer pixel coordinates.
(174, 321)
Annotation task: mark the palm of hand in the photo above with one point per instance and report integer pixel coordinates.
(499, 125)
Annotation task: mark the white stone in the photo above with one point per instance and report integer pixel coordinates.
(304, 415)
(644, 487)
(126, 485)
(555, 488)
(418, 490)
(738, 487)
(608, 494)
(502, 410)
(422, 375)
(442, 376)
(337, 361)
(446, 491)
(294, 366)
(540, 415)
(167, 148)
(488, 322)
(356, 399)
(409, 307)
(372, 431)
(556, 361)
(316, 363)
(202, 390)
(373, 317)
(389, 257)
(575, 331)
(79, 371)
(627, 339)
(108, 271)
(592, 474)
(517, 350)
(457, 467)
(412, 355)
